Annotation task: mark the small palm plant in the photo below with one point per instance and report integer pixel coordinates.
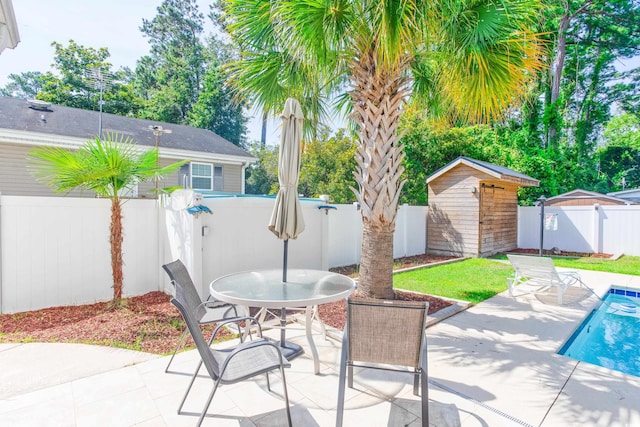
(107, 166)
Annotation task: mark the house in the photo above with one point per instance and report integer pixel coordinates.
(632, 195)
(9, 36)
(473, 208)
(581, 197)
(215, 164)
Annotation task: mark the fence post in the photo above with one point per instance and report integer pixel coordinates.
(542, 199)
(595, 244)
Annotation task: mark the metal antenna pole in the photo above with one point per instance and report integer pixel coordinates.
(157, 131)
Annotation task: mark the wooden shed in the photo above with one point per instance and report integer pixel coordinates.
(473, 208)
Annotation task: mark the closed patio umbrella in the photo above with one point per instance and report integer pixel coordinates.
(286, 220)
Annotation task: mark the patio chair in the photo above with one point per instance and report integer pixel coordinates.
(540, 273)
(232, 365)
(205, 312)
(386, 335)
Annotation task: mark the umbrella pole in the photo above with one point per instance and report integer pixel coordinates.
(283, 314)
(289, 349)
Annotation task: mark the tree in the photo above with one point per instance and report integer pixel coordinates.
(619, 157)
(107, 166)
(172, 74)
(262, 177)
(25, 85)
(84, 73)
(464, 60)
(215, 108)
(588, 37)
(327, 168)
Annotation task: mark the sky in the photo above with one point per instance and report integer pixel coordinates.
(113, 24)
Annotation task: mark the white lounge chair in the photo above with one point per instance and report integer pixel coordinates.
(540, 273)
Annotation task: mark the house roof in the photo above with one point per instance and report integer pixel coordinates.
(624, 194)
(496, 171)
(26, 116)
(585, 194)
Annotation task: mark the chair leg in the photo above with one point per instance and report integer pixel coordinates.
(341, 382)
(184, 398)
(180, 344)
(416, 383)
(206, 406)
(424, 399)
(349, 376)
(286, 394)
(424, 383)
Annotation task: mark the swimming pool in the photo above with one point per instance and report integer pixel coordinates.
(610, 335)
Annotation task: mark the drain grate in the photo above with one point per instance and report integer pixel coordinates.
(477, 402)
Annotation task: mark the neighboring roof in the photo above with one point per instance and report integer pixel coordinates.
(632, 193)
(18, 115)
(584, 194)
(496, 171)
(9, 36)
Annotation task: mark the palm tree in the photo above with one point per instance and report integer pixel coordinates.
(107, 166)
(456, 59)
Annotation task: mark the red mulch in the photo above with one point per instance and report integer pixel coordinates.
(149, 322)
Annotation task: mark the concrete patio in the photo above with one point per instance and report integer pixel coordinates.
(491, 365)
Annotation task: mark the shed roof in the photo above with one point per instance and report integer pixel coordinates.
(19, 115)
(496, 171)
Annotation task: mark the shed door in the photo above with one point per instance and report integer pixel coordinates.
(487, 213)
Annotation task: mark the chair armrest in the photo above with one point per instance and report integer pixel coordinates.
(237, 321)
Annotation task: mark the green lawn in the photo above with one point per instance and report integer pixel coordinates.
(624, 265)
(477, 279)
(472, 280)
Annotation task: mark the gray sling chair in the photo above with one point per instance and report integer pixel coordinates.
(380, 333)
(205, 312)
(229, 366)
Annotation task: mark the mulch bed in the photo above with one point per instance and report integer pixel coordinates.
(150, 322)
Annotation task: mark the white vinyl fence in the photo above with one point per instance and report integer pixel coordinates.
(55, 250)
(592, 229)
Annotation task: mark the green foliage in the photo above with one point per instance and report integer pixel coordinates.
(181, 81)
(327, 168)
(262, 177)
(619, 157)
(428, 148)
(106, 166)
(25, 85)
(82, 73)
(215, 110)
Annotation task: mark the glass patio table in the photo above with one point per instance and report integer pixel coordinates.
(303, 289)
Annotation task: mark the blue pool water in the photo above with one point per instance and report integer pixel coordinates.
(610, 335)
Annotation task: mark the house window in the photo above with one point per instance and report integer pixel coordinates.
(205, 176)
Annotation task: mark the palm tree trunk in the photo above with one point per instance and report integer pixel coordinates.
(115, 239)
(376, 265)
(378, 96)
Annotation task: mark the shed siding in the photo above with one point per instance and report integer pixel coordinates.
(452, 220)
